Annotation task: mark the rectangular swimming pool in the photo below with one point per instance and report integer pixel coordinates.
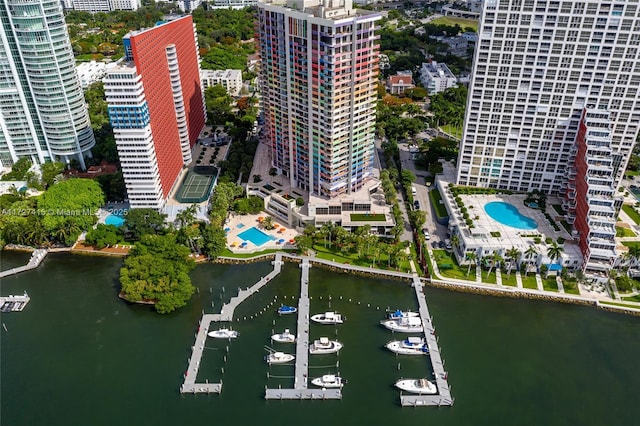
(255, 236)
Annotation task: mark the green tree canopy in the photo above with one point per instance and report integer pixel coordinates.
(157, 270)
(140, 222)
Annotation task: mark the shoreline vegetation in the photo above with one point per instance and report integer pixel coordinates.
(472, 288)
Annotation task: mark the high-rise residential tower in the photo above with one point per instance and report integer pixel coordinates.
(537, 66)
(43, 114)
(156, 108)
(318, 77)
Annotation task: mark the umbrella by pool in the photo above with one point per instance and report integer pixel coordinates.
(281, 241)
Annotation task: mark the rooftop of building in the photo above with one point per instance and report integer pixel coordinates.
(325, 9)
(221, 73)
(166, 19)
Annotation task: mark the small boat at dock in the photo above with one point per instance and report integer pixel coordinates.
(420, 386)
(409, 346)
(328, 381)
(284, 337)
(279, 358)
(286, 310)
(325, 346)
(328, 318)
(401, 314)
(223, 333)
(404, 324)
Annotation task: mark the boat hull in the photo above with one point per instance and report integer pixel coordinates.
(414, 386)
(280, 360)
(321, 319)
(401, 328)
(319, 350)
(328, 385)
(223, 334)
(398, 348)
(283, 339)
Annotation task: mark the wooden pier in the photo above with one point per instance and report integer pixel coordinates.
(443, 397)
(300, 385)
(14, 303)
(37, 256)
(226, 314)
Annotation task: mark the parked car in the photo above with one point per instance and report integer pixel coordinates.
(440, 244)
(447, 243)
(416, 205)
(426, 234)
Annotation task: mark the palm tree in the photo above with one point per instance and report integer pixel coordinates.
(455, 240)
(495, 261)
(471, 258)
(268, 223)
(531, 253)
(326, 231)
(513, 253)
(187, 216)
(554, 252)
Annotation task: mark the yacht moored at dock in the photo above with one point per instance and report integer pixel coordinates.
(223, 333)
(328, 318)
(409, 346)
(401, 314)
(279, 358)
(328, 381)
(404, 324)
(284, 337)
(421, 386)
(325, 346)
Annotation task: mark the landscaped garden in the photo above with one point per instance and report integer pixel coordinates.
(550, 284)
(367, 217)
(509, 279)
(632, 213)
(529, 281)
(449, 268)
(438, 204)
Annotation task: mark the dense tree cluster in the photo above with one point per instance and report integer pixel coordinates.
(448, 107)
(157, 270)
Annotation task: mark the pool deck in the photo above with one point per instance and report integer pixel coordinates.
(250, 220)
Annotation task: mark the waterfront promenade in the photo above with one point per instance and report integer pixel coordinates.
(37, 256)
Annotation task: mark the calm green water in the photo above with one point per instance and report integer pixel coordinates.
(79, 355)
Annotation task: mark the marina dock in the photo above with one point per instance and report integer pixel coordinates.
(37, 256)
(226, 314)
(14, 303)
(443, 397)
(300, 387)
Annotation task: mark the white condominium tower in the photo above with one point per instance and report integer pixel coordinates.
(537, 66)
(318, 75)
(43, 115)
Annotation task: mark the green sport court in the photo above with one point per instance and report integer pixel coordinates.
(196, 185)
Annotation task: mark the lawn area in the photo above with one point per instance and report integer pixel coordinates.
(631, 244)
(621, 231)
(633, 214)
(491, 279)
(452, 130)
(632, 173)
(529, 281)
(436, 200)
(550, 284)
(442, 257)
(573, 290)
(364, 217)
(509, 280)
(635, 298)
(334, 255)
(452, 20)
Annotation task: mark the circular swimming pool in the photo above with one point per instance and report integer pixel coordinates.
(509, 215)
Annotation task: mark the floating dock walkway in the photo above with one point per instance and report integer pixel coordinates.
(226, 314)
(14, 303)
(37, 256)
(443, 397)
(300, 386)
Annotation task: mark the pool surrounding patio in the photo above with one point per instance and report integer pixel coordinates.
(509, 215)
(255, 236)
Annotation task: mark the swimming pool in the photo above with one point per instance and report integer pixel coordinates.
(509, 215)
(255, 236)
(115, 220)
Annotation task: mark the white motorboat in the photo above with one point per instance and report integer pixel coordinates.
(328, 381)
(423, 386)
(279, 358)
(325, 346)
(328, 318)
(401, 314)
(409, 346)
(404, 324)
(223, 333)
(284, 337)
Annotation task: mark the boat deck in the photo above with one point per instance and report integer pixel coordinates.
(226, 314)
(443, 397)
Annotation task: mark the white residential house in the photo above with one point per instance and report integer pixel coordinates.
(230, 79)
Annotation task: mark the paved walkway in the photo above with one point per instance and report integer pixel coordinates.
(37, 256)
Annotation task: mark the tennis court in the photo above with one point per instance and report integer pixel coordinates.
(196, 185)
